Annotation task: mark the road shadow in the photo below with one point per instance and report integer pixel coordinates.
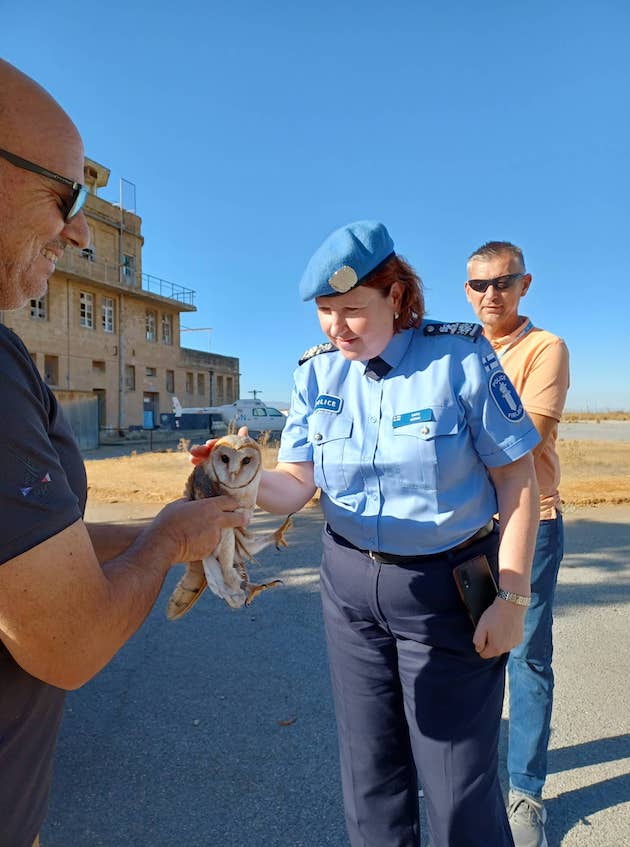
(219, 728)
(574, 807)
(604, 548)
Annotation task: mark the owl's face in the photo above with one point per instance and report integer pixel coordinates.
(235, 461)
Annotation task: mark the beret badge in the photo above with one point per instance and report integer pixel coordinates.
(343, 280)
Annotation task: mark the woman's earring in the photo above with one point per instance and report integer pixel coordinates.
(396, 316)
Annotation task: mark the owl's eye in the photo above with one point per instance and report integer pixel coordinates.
(246, 460)
(225, 459)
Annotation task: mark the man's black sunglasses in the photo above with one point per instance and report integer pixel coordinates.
(79, 192)
(499, 282)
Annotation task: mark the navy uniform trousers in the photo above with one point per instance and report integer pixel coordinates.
(413, 701)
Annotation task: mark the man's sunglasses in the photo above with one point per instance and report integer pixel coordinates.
(501, 283)
(79, 192)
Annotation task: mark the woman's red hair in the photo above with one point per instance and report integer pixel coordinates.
(396, 269)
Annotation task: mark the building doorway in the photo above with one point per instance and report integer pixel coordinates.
(150, 409)
(102, 408)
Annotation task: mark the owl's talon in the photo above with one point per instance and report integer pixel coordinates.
(278, 535)
(253, 590)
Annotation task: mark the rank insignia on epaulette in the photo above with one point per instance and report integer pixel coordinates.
(468, 330)
(315, 351)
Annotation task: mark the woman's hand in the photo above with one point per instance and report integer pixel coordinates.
(200, 452)
(500, 628)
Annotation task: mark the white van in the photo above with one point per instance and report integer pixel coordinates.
(253, 414)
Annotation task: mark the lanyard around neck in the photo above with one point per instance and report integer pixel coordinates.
(501, 353)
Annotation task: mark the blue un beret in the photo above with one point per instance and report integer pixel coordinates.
(345, 258)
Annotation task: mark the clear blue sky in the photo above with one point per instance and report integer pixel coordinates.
(252, 129)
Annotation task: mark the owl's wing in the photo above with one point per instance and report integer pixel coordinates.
(199, 485)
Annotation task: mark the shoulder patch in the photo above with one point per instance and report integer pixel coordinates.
(467, 330)
(505, 396)
(315, 351)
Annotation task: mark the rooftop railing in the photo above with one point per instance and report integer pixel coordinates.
(168, 289)
(83, 264)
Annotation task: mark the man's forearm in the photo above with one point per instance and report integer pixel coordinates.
(111, 539)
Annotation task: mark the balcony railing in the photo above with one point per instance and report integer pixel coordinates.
(75, 262)
(168, 289)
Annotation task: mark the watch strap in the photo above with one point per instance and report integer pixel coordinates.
(511, 597)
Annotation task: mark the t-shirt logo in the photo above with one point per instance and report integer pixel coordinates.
(505, 396)
(329, 403)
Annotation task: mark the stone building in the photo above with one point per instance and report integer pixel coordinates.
(107, 335)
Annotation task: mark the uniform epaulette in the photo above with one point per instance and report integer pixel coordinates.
(315, 351)
(468, 330)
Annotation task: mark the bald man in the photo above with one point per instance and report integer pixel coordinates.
(71, 593)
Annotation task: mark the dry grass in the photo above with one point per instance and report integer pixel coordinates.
(147, 477)
(593, 473)
(596, 417)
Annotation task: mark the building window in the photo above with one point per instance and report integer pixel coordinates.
(129, 268)
(51, 370)
(89, 253)
(229, 389)
(167, 329)
(150, 372)
(151, 324)
(87, 310)
(109, 324)
(170, 382)
(98, 366)
(220, 394)
(39, 309)
(190, 387)
(201, 384)
(130, 377)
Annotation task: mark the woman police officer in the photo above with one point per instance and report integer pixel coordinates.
(416, 439)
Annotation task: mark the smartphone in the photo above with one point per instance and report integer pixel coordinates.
(476, 586)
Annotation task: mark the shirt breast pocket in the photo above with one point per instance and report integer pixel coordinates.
(423, 447)
(329, 434)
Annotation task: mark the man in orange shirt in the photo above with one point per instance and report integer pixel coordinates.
(537, 362)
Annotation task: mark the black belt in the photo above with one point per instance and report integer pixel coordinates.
(393, 559)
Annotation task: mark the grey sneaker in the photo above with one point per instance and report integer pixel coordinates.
(527, 818)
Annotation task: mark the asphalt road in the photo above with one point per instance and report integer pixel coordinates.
(218, 730)
(593, 431)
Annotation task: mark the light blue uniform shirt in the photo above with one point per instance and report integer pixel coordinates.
(401, 462)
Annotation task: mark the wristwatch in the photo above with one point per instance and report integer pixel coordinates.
(511, 597)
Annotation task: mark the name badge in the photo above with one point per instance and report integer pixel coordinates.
(329, 403)
(419, 416)
(505, 396)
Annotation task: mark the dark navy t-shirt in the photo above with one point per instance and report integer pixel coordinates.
(43, 490)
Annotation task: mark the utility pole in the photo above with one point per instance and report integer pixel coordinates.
(255, 392)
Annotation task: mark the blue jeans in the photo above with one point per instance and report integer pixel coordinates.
(530, 672)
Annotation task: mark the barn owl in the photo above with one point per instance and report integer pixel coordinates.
(233, 467)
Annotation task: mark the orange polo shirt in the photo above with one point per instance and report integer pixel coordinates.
(538, 365)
